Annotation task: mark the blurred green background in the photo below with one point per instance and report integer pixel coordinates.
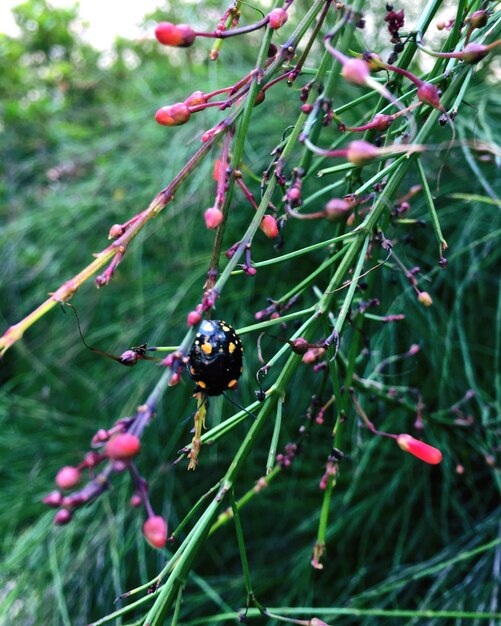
(80, 151)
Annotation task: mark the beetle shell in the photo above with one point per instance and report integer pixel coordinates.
(215, 358)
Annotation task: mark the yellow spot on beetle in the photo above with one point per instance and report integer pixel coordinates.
(201, 384)
(226, 329)
(207, 348)
(232, 383)
(231, 347)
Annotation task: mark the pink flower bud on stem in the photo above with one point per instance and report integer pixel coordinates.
(123, 447)
(62, 517)
(155, 531)
(419, 449)
(277, 18)
(213, 217)
(68, 477)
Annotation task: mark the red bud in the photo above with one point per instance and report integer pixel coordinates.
(277, 18)
(68, 477)
(155, 531)
(123, 447)
(196, 99)
(474, 52)
(419, 449)
(269, 226)
(173, 115)
(194, 318)
(429, 94)
(178, 35)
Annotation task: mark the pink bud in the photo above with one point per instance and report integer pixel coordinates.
(123, 447)
(269, 226)
(336, 209)
(136, 500)
(313, 354)
(177, 35)
(478, 19)
(381, 122)
(356, 71)
(194, 318)
(68, 477)
(62, 517)
(474, 52)
(299, 345)
(155, 531)
(277, 18)
(117, 230)
(213, 217)
(53, 499)
(173, 115)
(359, 152)
(429, 94)
(419, 449)
(129, 358)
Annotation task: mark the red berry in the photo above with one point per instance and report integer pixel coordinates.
(155, 531)
(123, 447)
(177, 35)
(68, 477)
(429, 94)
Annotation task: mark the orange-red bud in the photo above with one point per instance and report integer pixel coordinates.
(173, 115)
(277, 18)
(155, 531)
(123, 447)
(474, 52)
(429, 94)
(269, 226)
(419, 449)
(178, 35)
(196, 99)
(68, 477)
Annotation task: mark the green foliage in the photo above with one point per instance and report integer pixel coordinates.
(80, 151)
